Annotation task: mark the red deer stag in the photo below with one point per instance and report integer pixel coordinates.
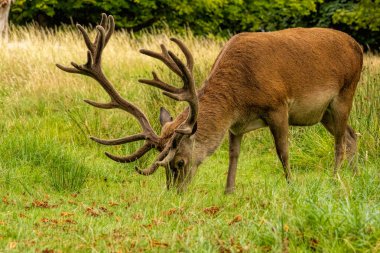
(292, 77)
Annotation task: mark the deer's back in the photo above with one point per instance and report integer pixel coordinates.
(304, 67)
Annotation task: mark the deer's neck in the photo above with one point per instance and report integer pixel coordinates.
(214, 119)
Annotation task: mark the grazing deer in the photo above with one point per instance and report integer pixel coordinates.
(292, 77)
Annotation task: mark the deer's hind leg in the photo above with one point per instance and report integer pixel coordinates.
(335, 120)
(350, 139)
(351, 148)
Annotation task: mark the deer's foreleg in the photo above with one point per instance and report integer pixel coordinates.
(234, 151)
(278, 125)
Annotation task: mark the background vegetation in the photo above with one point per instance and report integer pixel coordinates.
(58, 192)
(360, 18)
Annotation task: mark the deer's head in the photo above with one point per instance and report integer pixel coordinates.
(176, 141)
(179, 164)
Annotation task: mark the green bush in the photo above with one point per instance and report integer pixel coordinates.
(363, 19)
(218, 17)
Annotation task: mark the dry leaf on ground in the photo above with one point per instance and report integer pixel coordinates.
(237, 218)
(212, 210)
(158, 244)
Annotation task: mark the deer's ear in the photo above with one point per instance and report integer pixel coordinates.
(165, 116)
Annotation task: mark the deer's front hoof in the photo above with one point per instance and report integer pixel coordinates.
(229, 190)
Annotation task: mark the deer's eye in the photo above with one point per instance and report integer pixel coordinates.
(180, 164)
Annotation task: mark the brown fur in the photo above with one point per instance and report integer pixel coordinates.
(296, 76)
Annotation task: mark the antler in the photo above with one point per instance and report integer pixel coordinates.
(185, 72)
(186, 93)
(93, 69)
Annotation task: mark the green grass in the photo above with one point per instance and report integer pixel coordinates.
(59, 192)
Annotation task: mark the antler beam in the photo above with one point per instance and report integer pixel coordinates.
(93, 68)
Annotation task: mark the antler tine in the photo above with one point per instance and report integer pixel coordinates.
(133, 157)
(99, 45)
(103, 23)
(104, 20)
(101, 105)
(86, 38)
(93, 69)
(110, 28)
(135, 137)
(157, 163)
(148, 171)
(187, 75)
(164, 57)
(186, 52)
(156, 82)
(67, 69)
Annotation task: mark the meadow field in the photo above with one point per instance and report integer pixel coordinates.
(60, 193)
